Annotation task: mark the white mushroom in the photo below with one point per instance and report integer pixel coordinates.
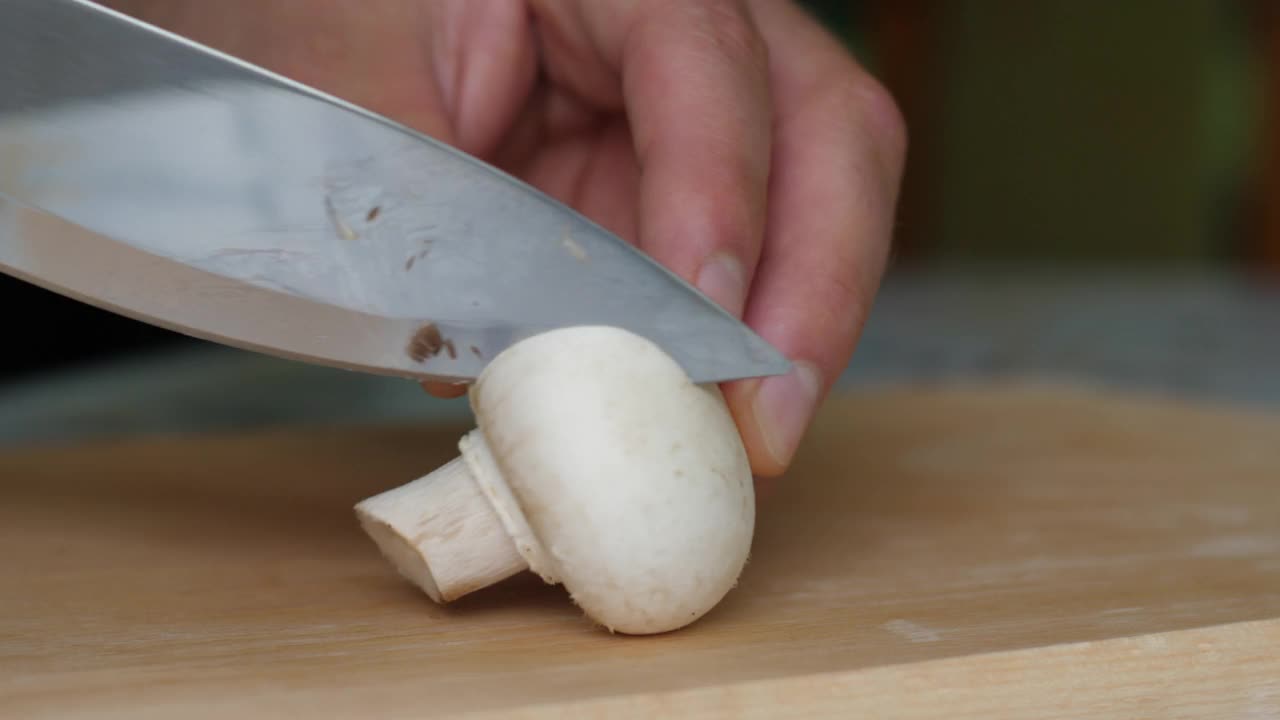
(596, 463)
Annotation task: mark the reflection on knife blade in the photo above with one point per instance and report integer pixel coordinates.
(191, 190)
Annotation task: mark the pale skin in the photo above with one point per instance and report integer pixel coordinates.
(735, 141)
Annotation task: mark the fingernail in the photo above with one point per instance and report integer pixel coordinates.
(783, 407)
(722, 279)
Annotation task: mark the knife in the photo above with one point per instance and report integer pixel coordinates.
(159, 179)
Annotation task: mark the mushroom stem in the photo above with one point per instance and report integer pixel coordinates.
(442, 533)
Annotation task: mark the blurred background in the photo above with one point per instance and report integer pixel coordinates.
(1081, 131)
(1091, 193)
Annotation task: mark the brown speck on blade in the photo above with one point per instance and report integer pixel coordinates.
(449, 348)
(373, 213)
(426, 343)
(408, 264)
(476, 351)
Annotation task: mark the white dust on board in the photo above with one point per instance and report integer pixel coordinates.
(1237, 546)
(1264, 701)
(1123, 610)
(912, 632)
(1225, 515)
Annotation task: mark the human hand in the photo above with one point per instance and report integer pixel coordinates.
(735, 141)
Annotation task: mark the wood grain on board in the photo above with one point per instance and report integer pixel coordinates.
(934, 553)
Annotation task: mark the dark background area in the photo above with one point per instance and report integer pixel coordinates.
(1090, 133)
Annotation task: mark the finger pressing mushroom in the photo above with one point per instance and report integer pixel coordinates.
(597, 464)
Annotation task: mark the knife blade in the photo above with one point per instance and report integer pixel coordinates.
(159, 179)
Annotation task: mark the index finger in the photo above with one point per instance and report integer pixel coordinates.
(696, 90)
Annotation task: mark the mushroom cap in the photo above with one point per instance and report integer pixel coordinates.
(634, 479)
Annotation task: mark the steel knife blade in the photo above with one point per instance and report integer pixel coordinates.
(146, 174)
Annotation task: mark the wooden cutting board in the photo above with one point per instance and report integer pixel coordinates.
(945, 553)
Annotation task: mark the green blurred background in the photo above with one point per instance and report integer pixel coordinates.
(1075, 131)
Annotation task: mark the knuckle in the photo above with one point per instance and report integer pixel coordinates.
(856, 104)
(727, 27)
(882, 114)
(735, 33)
(866, 104)
(862, 118)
